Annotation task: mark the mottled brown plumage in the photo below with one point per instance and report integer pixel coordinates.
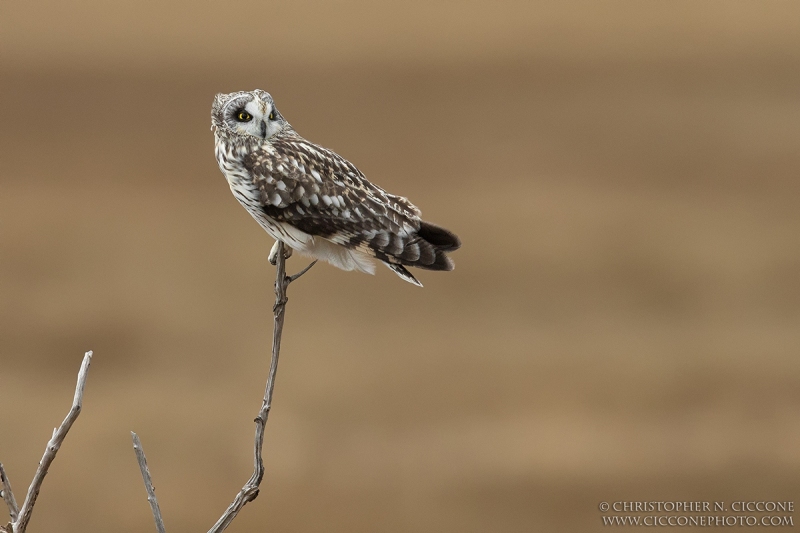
(304, 194)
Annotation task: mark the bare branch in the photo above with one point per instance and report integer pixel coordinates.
(148, 483)
(8, 495)
(251, 488)
(306, 269)
(21, 524)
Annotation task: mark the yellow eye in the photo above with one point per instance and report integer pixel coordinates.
(244, 116)
(272, 116)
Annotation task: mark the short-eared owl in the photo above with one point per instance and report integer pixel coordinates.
(314, 200)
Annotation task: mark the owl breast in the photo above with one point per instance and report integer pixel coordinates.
(244, 188)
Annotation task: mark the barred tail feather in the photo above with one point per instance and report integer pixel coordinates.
(427, 248)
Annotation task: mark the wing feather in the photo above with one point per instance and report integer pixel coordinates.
(320, 193)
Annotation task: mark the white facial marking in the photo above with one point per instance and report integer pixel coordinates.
(253, 108)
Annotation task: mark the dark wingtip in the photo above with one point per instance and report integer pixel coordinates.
(444, 239)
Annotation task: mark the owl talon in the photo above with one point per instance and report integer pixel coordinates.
(273, 253)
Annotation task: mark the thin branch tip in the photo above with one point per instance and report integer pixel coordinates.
(306, 269)
(8, 495)
(20, 523)
(148, 483)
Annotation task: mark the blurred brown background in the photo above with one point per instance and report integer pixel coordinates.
(622, 322)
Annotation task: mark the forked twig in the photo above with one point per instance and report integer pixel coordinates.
(20, 523)
(250, 489)
(306, 269)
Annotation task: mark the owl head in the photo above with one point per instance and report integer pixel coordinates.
(246, 114)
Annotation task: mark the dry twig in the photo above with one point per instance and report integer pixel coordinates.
(148, 483)
(250, 490)
(8, 495)
(20, 523)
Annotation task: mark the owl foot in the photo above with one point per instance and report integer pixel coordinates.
(273, 253)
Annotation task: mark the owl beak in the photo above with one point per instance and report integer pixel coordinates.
(263, 129)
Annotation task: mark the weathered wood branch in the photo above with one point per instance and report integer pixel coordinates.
(148, 483)
(8, 495)
(19, 523)
(250, 490)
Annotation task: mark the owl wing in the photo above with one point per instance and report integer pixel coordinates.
(322, 194)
